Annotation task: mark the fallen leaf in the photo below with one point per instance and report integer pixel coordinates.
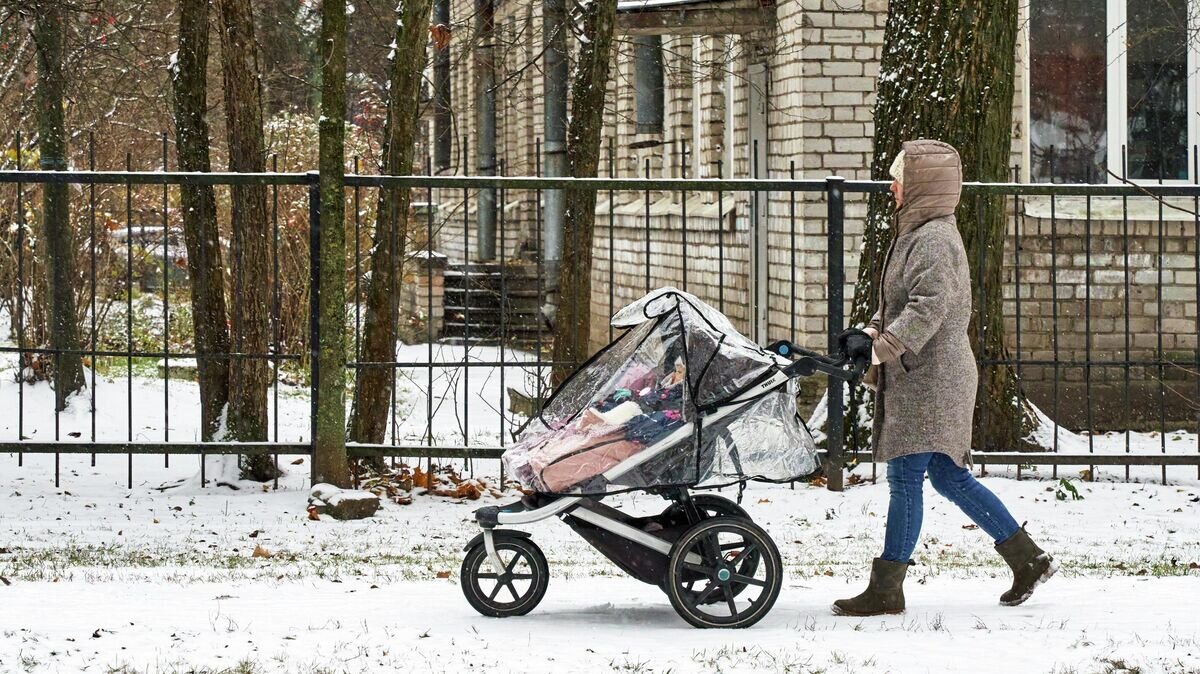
(260, 551)
(443, 574)
(156, 520)
(764, 500)
(970, 527)
(9, 582)
(312, 513)
(255, 533)
(297, 462)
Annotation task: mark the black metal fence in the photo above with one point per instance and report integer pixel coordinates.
(1150, 373)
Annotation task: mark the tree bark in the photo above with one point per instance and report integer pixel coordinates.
(947, 73)
(57, 231)
(329, 461)
(189, 84)
(572, 328)
(251, 235)
(373, 385)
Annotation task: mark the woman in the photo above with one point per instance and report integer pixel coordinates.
(925, 379)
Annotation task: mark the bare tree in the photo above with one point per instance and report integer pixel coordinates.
(373, 385)
(330, 449)
(57, 231)
(947, 72)
(588, 88)
(246, 416)
(189, 84)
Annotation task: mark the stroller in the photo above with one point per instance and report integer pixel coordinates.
(679, 401)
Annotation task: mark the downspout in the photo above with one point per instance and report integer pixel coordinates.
(442, 120)
(554, 35)
(485, 149)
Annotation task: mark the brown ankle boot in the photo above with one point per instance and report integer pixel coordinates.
(883, 596)
(1031, 566)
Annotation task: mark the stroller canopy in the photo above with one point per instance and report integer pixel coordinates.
(666, 405)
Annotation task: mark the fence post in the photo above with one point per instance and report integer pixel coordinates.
(314, 311)
(834, 311)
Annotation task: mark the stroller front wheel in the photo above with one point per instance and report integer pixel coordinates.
(516, 591)
(724, 572)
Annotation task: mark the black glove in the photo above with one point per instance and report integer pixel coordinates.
(856, 344)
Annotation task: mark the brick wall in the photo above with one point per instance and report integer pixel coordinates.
(1093, 292)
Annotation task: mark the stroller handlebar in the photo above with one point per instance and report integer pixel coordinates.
(805, 362)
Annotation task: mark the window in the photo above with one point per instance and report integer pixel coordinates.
(1113, 85)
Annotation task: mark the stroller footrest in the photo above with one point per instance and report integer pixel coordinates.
(489, 516)
(531, 508)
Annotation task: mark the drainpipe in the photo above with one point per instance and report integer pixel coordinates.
(441, 87)
(554, 110)
(485, 149)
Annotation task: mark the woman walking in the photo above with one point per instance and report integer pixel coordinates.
(924, 374)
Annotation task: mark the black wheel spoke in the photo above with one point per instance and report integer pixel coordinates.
(703, 596)
(521, 576)
(487, 576)
(747, 580)
(512, 564)
(512, 590)
(495, 591)
(708, 571)
(733, 612)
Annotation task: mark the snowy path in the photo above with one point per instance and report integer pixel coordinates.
(109, 579)
(593, 625)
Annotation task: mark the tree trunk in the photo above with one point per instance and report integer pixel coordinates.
(373, 385)
(573, 322)
(251, 235)
(947, 73)
(329, 461)
(57, 232)
(189, 84)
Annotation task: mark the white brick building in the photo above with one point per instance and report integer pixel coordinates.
(789, 90)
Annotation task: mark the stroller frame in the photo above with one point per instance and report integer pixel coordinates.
(675, 559)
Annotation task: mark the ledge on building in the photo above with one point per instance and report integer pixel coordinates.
(694, 17)
(701, 213)
(1133, 209)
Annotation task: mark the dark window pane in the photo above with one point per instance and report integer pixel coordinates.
(1067, 88)
(1157, 90)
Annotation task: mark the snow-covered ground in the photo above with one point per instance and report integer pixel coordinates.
(97, 577)
(106, 579)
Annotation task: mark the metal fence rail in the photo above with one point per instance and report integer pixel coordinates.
(291, 352)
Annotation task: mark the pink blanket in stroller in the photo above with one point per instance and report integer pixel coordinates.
(564, 462)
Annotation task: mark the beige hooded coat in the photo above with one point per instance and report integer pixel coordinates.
(926, 396)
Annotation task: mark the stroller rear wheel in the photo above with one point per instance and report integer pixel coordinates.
(731, 560)
(514, 592)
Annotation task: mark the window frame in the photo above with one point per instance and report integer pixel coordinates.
(1117, 81)
(1116, 100)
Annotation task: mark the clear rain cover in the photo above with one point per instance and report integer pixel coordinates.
(635, 415)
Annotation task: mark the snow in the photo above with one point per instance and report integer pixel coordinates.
(103, 578)
(328, 494)
(97, 577)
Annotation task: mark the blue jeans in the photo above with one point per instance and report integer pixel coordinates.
(906, 478)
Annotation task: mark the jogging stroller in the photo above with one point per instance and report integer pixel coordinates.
(679, 401)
